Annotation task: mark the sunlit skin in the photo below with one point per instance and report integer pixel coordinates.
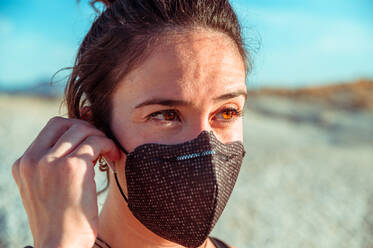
(193, 81)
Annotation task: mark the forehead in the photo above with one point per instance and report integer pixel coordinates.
(183, 64)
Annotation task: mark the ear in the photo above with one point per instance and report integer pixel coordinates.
(110, 164)
(86, 114)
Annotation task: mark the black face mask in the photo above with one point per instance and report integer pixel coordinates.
(179, 191)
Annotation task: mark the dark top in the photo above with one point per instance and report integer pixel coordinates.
(217, 242)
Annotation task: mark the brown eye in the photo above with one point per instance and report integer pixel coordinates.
(228, 114)
(165, 115)
(169, 116)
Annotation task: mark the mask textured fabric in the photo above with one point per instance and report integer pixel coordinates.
(179, 191)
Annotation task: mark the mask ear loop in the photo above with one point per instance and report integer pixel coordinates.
(120, 188)
(114, 171)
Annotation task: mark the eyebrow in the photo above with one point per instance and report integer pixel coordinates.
(171, 102)
(165, 102)
(232, 95)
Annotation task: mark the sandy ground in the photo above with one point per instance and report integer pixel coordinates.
(307, 178)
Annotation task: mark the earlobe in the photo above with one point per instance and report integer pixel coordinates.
(108, 163)
(86, 114)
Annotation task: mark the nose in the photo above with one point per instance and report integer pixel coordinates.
(196, 126)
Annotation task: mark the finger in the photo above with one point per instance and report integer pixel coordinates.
(15, 171)
(49, 135)
(94, 146)
(75, 135)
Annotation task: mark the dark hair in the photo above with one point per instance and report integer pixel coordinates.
(120, 37)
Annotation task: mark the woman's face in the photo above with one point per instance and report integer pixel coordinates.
(192, 81)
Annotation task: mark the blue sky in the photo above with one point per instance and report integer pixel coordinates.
(301, 42)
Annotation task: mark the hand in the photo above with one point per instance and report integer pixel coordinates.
(55, 177)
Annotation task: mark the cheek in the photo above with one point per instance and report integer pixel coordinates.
(233, 133)
(122, 130)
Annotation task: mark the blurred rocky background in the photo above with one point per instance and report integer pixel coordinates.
(307, 178)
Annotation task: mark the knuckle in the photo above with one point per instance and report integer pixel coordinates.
(87, 149)
(15, 169)
(47, 160)
(82, 122)
(80, 128)
(100, 133)
(86, 123)
(16, 163)
(86, 130)
(70, 164)
(54, 120)
(92, 140)
(93, 143)
(26, 166)
(27, 160)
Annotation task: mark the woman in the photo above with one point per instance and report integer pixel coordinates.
(157, 91)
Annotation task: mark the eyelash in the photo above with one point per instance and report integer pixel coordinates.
(167, 111)
(237, 113)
